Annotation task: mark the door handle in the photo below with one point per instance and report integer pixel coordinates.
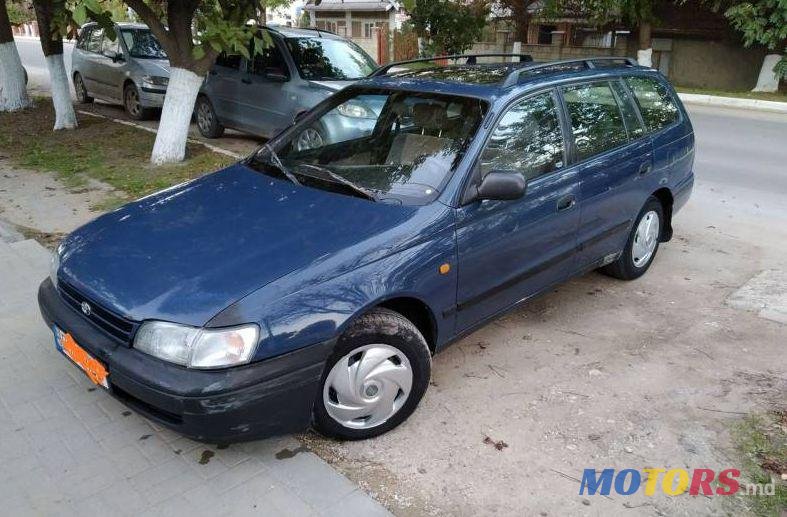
(644, 168)
(245, 80)
(566, 202)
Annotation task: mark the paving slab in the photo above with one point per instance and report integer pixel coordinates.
(69, 448)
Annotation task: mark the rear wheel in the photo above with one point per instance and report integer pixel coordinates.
(642, 244)
(132, 102)
(375, 378)
(81, 90)
(207, 121)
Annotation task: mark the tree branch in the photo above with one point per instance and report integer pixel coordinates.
(152, 20)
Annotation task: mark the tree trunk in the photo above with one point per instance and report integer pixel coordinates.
(645, 52)
(170, 146)
(13, 90)
(521, 19)
(768, 81)
(52, 46)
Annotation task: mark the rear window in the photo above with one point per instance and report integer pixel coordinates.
(656, 105)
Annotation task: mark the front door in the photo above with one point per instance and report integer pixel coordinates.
(113, 71)
(510, 250)
(267, 107)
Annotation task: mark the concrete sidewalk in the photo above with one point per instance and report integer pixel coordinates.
(734, 102)
(68, 448)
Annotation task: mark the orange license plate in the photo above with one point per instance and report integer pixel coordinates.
(90, 365)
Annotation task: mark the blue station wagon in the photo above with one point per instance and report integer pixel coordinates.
(312, 286)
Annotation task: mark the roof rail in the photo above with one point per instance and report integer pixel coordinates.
(588, 63)
(472, 59)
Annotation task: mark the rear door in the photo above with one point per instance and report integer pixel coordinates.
(510, 250)
(267, 106)
(611, 156)
(91, 62)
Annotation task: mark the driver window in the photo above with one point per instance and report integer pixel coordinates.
(527, 140)
(269, 60)
(110, 48)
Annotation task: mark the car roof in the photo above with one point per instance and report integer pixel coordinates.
(493, 80)
(122, 25)
(302, 32)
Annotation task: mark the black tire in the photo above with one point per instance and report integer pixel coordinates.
(81, 90)
(207, 120)
(132, 102)
(386, 327)
(625, 267)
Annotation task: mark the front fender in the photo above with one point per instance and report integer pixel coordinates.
(322, 311)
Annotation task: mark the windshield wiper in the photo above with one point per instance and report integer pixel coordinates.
(341, 179)
(275, 161)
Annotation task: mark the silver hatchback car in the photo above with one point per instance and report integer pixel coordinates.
(133, 69)
(297, 69)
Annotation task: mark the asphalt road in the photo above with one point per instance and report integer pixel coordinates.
(33, 61)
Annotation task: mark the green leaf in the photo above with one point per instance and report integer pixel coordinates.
(198, 52)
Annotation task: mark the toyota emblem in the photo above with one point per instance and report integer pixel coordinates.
(86, 310)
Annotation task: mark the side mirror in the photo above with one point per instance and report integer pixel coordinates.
(503, 186)
(114, 56)
(276, 76)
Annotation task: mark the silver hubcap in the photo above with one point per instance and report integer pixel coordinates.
(645, 239)
(367, 386)
(308, 139)
(132, 101)
(204, 117)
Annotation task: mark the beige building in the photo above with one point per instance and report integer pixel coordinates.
(358, 20)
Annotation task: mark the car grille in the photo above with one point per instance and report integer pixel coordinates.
(115, 326)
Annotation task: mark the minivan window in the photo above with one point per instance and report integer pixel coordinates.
(329, 59)
(527, 140)
(596, 121)
(229, 60)
(84, 36)
(142, 44)
(94, 40)
(655, 102)
(109, 47)
(268, 60)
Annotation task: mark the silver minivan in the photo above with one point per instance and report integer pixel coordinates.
(296, 70)
(132, 70)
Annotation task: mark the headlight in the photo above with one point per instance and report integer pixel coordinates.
(155, 80)
(198, 347)
(54, 264)
(355, 110)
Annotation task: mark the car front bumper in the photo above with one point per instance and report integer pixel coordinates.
(152, 97)
(266, 398)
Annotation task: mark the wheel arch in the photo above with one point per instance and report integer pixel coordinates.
(665, 197)
(414, 309)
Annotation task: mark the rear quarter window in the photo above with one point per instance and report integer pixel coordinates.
(655, 102)
(596, 120)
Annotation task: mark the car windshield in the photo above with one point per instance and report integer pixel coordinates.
(387, 145)
(325, 59)
(141, 43)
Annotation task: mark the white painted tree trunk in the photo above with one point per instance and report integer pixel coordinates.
(65, 118)
(13, 91)
(173, 130)
(768, 81)
(645, 57)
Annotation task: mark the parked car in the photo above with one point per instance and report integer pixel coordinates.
(312, 286)
(297, 69)
(132, 70)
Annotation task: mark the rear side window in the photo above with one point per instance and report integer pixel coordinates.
(629, 109)
(596, 121)
(527, 140)
(656, 105)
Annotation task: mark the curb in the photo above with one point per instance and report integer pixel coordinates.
(734, 102)
(215, 149)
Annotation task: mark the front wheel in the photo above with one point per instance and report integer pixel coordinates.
(132, 102)
(642, 244)
(207, 121)
(374, 379)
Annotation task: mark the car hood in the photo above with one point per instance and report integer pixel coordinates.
(186, 253)
(155, 67)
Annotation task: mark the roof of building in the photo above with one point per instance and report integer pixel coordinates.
(351, 5)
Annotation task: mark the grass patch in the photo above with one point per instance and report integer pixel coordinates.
(761, 441)
(113, 153)
(764, 96)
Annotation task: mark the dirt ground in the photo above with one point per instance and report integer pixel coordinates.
(598, 373)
